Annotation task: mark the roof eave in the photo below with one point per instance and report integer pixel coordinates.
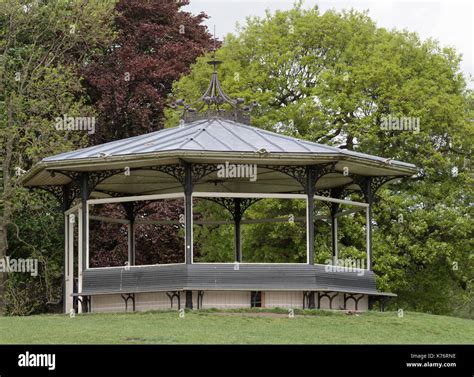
(399, 168)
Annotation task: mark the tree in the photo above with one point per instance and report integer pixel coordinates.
(42, 44)
(334, 78)
(128, 85)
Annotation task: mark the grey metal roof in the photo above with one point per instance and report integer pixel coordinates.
(212, 135)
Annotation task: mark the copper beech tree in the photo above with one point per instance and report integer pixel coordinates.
(156, 44)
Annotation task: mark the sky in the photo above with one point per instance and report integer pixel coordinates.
(449, 22)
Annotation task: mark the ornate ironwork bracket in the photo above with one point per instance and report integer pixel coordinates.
(355, 297)
(129, 296)
(177, 171)
(302, 173)
(172, 295)
(95, 178)
(65, 194)
(229, 204)
(326, 294)
(370, 185)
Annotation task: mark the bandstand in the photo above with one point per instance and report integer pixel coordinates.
(182, 163)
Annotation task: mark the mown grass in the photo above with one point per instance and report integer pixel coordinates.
(237, 327)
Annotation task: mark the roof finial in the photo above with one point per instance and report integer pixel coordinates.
(214, 62)
(215, 97)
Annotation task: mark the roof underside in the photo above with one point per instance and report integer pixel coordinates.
(213, 140)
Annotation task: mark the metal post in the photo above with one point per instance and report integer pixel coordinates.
(129, 210)
(131, 243)
(70, 239)
(64, 207)
(369, 223)
(334, 210)
(188, 215)
(237, 220)
(85, 227)
(310, 189)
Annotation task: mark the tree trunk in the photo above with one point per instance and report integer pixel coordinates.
(5, 196)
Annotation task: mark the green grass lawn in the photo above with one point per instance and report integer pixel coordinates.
(237, 327)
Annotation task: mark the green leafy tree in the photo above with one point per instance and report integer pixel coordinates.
(334, 78)
(42, 46)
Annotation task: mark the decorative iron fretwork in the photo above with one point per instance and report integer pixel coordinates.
(369, 185)
(377, 182)
(56, 191)
(65, 194)
(172, 295)
(323, 192)
(319, 171)
(73, 188)
(229, 205)
(129, 296)
(72, 175)
(300, 173)
(328, 295)
(199, 171)
(97, 177)
(355, 297)
(214, 102)
(296, 172)
(176, 171)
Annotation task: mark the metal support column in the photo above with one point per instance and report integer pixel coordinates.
(334, 211)
(130, 211)
(64, 208)
(237, 220)
(369, 198)
(188, 217)
(84, 227)
(310, 190)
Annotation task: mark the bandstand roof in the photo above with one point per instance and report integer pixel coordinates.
(212, 140)
(215, 139)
